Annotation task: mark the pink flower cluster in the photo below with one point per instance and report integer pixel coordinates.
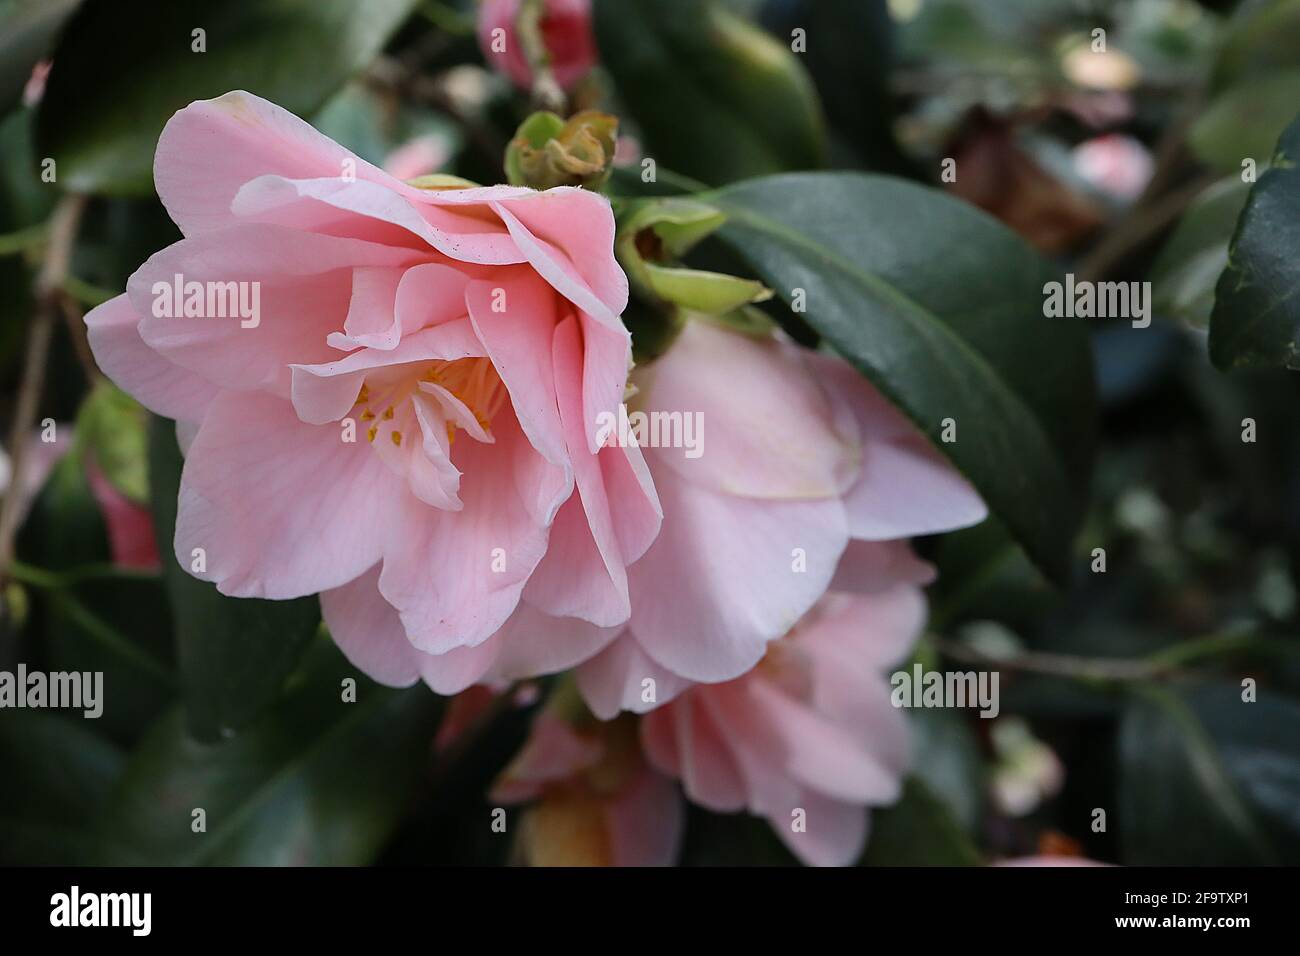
(410, 427)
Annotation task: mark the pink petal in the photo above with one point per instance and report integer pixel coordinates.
(683, 741)
(767, 425)
(645, 821)
(518, 339)
(156, 383)
(281, 508)
(720, 580)
(584, 573)
(867, 567)
(439, 571)
(369, 632)
(304, 290)
(835, 836)
(612, 681)
(529, 644)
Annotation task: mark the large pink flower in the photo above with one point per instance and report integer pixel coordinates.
(805, 477)
(566, 33)
(407, 425)
(808, 739)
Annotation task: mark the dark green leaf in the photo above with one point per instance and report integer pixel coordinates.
(315, 781)
(1245, 120)
(123, 68)
(57, 773)
(716, 98)
(1209, 779)
(942, 308)
(234, 653)
(919, 830)
(1256, 318)
(849, 53)
(946, 759)
(1184, 275)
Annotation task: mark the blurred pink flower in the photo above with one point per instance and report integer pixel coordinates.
(597, 803)
(130, 525)
(418, 157)
(1114, 164)
(566, 32)
(407, 422)
(34, 88)
(808, 739)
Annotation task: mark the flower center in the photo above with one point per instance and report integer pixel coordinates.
(474, 382)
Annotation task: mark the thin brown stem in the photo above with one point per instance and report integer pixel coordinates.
(49, 295)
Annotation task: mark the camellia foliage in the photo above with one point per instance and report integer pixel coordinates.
(649, 432)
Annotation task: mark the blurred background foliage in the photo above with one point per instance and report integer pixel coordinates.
(1121, 687)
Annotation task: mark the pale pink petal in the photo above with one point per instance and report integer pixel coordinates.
(529, 644)
(514, 316)
(567, 233)
(371, 320)
(390, 212)
(723, 578)
(835, 834)
(767, 427)
(303, 290)
(614, 680)
(440, 573)
(645, 821)
(870, 566)
(905, 487)
(243, 501)
(156, 383)
(682, 741)
(814, 750)
(553, 752)
(369, 633)
(584, 572)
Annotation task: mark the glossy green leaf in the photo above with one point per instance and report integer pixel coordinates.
(1185, 273)
(122, 69)
(1256, 318)
(941, 308)
(234, 653)
(1210, 779)
(1244, 121)
(316, 781)
(715, 97)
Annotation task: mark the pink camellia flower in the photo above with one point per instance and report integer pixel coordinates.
(566, 32)
(806, 476)
(799, 475)
(808, 739)
(386, 394)
(596, 801)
